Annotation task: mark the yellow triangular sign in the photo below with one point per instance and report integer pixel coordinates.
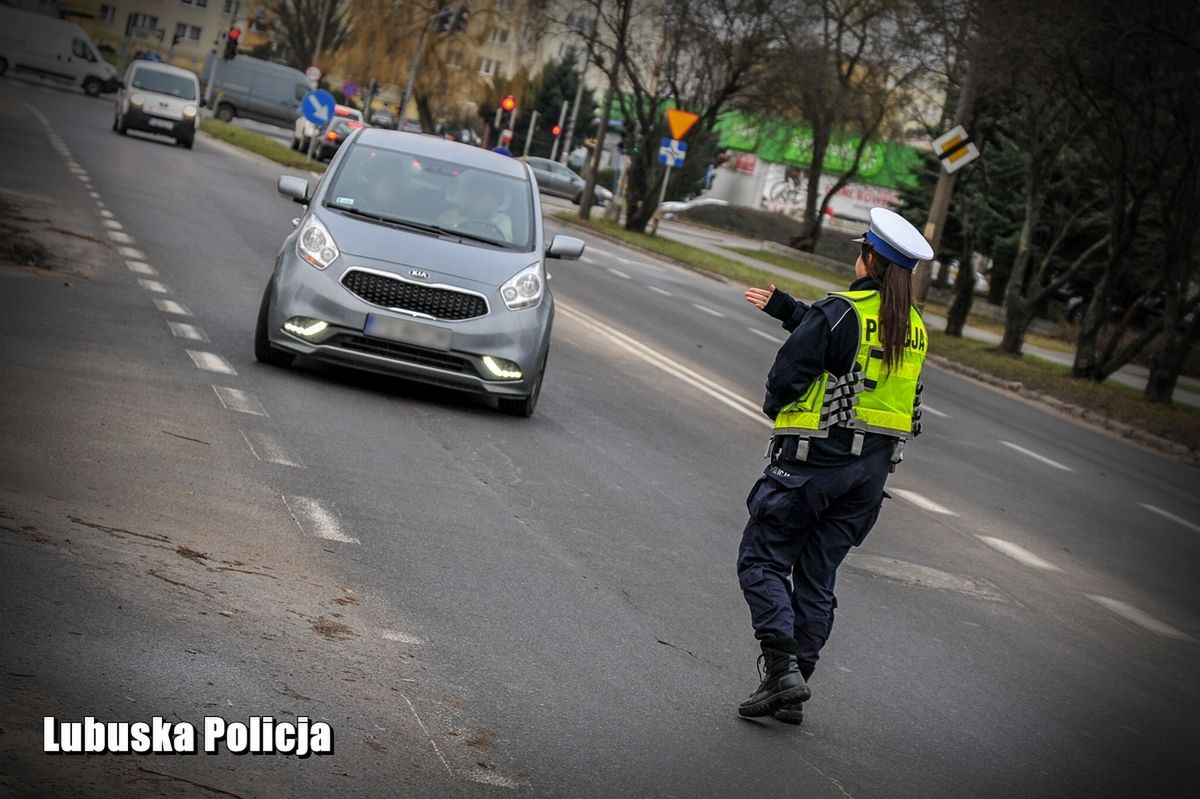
(680, 121)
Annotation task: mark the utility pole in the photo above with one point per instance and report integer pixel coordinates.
(316, 56)
(566, 150)
(529, 135)
(412, 72)
(215, 73)
(940, 206)
(562, 115)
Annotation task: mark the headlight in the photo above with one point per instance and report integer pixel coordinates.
(189, 111)
(502, 368)
(524, 290)
(136, 99)
(315, 245)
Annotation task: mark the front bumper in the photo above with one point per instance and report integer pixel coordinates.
(300, 290)
(138, 119)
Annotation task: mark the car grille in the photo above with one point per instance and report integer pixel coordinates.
(391, 292)
(404, 352)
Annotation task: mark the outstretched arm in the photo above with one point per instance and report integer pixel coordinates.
(778, 304)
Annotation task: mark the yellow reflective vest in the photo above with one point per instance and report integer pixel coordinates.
(870, 398)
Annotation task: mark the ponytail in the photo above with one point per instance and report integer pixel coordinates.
(895, 294)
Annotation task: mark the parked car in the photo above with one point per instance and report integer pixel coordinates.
(556, 179)
(159, 98)
(418, 257)
(338, 132)
(411, 126)
(303, 130)
(382, 119)
(53, 48)
(257, 89)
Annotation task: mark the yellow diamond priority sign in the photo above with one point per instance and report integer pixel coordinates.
(680, 121)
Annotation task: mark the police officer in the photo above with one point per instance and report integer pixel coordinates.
(844, 392)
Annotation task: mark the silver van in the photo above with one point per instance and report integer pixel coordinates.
(257, 89)
(159, 98)
(53, 48)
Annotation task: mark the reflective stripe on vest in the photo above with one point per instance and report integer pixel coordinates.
(870, 398)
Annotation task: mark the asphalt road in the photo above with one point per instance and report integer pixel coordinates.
(549, 607)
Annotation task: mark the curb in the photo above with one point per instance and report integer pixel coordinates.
(583, 226)
(1122, 429)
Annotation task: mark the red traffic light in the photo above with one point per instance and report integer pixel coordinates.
(508, 103)
(234, 34)
(556, 130)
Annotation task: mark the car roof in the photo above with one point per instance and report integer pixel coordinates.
(433, 147)
(170, 69)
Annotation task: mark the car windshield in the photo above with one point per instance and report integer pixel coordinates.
(149, 80)
(430, 193)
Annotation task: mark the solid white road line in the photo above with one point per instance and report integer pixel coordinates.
(674, 368)
(1166, 514)
(267, 448)
(1036, 457)
(921, 501)
(940, 414)
(234, 399)
(132, 253)
(425, 729)
(153, 285)
(313, 518)
(763, 334)
(141, 267)
(706, 309)
(211, 362)
(1140, 618)
(657, 290)
(181, 330)
(170, 306)
(619, 273)
(399, 637)
(598, 251)
(1018, 553)
(120, 237)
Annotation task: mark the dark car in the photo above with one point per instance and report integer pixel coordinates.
(339, 130)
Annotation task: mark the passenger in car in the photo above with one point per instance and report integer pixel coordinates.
(478, 209)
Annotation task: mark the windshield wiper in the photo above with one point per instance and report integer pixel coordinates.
(390, 220)
(473, 237)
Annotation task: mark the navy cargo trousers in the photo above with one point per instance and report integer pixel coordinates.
(803, 521)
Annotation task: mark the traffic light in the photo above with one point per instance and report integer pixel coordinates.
(556, 131)
(444, 20)
(459, 22)
(231, 42)
(508, 103)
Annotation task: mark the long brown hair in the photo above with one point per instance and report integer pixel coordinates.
(895, 295)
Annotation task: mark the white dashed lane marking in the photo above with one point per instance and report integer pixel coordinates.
(1018, 553)
(132, 253)
(103, 211)
(402, 638)
(657, 290)
(1140, 618)
(234, 399)
(619, 273)
(706, 309)
(1036, 456)
(313, 518)
(1166, 514)
(266, 447)
(763, 334)
(141, 267)
(190, 332)
(153, 285)
(940, 414)
(922, 502)
(112, 224)
(120, 237)
(170, 306)
(211, 362)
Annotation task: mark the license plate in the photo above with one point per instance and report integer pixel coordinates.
(408, 332)
(161, 123)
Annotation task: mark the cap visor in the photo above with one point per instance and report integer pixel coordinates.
(860, 239)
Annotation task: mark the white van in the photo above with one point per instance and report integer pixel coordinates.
(53, 48)
(159, 98)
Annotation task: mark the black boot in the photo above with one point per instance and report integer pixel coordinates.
(782, 684)
(794, 713)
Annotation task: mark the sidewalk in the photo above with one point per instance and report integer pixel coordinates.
(1186, 393)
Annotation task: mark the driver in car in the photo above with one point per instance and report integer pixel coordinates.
(478, 210)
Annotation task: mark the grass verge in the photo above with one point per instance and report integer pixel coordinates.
(696, 257)
(259, 145)
(797, 265)
(1179, 423)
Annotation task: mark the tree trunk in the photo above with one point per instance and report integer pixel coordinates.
(810, 233)
(1016, 324)
(964, 285)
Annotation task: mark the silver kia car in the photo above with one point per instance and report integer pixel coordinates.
(422, 258)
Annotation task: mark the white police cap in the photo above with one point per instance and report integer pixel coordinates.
(895, 238)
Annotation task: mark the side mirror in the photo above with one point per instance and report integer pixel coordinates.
(567, 247)
(294, 187)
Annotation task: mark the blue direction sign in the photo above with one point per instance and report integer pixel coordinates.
(672, 152)
(318, 106)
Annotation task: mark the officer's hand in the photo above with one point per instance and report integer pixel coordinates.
(759, 297)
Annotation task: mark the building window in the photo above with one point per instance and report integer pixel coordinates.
(499, 36)
(190, 33)
(488, 66)
(138, 21)
(228, 7)
(259, 23)
(500, 5)
(566, 51)
(108, 13)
